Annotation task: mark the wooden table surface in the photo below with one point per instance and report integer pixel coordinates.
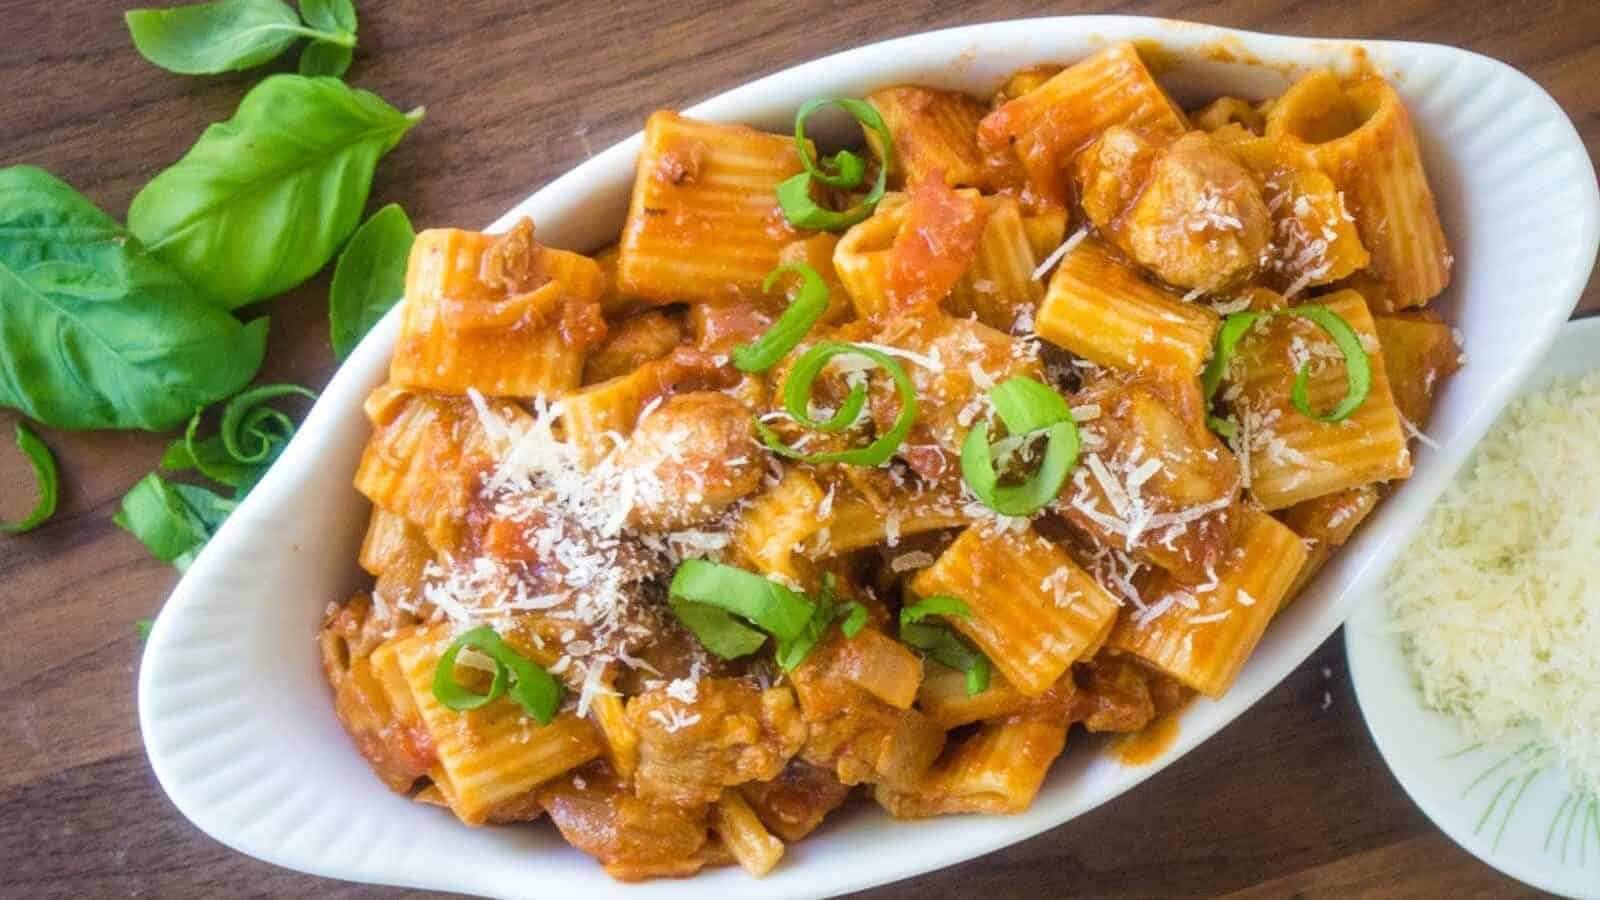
(1291, 800)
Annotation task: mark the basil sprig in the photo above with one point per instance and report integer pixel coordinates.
(792, 327)
(227, 35)
(262, 201)
(535, 690)
(941, 642)
(44, 475)
(848, 171)
(1028, 409)
(797, 401)
(1358, 365)
(370, 276)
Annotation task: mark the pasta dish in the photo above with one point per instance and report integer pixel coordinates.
(883, 468)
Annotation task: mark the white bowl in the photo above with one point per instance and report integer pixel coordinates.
(238, 722)
(1522, 830)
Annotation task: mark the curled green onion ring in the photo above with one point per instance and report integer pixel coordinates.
(44, 474)
(797, 398)
(794, 193)
(791, 327)
(1027, 407)
(537, 691)
(1358, 365)
(248, 418)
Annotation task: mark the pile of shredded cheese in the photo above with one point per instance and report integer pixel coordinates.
(1498, 600)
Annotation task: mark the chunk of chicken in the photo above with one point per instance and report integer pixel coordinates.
(631, 343)
(795, 803)
(729, 733)
(691, 458)
(1190, 212)
(1153, 481)
(635, 839)
(858, 735)
(1113, 695)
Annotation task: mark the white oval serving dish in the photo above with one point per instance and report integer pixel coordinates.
(238, 723)
(1535, 831)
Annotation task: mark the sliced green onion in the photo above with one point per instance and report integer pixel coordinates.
(44, 475)
(1027, 408)
(791, 653)
(703, 593)
(537, 691)
(791, 327)
(794, 194)
(938, 605)
(797, 400)
(247, 418)
(855, 619)
(1233, 329)
(209, 457)
(1358, 365)
(947, 648)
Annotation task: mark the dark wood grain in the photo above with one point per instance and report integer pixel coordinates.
(1291, 800)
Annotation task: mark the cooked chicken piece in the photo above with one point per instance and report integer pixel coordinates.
(855, 733)
(632, 342)
(1190, 212)
(1113, 695)
(633, 838)
(795, 803)
(723, 732)
(692, 457)
(1112, 170)
(1153, 480)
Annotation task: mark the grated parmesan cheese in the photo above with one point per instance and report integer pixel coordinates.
(1497, 600)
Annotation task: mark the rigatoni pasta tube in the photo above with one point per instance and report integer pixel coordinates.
(1034, 611)
(1202, 634)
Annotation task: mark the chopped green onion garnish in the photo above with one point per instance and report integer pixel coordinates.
(44, 475)
(855, 619)
(941, 642)
(529, 684)
(1027, 408)
(247, 418)
(948, 649)
(939, 605)
(794, 194)
(1358, 365)
(791, 327)
(797, 401)
(704, 593)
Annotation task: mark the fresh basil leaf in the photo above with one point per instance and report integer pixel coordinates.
(262, 201)
(718, 631)
(222, 36)
(44, 474)
(855, 619)
(95, 332)
(173, 521)
(208, 457)
(370, 276)
(143, 627)
(323, 58)
(330, 15)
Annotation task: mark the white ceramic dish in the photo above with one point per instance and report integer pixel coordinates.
(1477, 796)
(236, 718)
